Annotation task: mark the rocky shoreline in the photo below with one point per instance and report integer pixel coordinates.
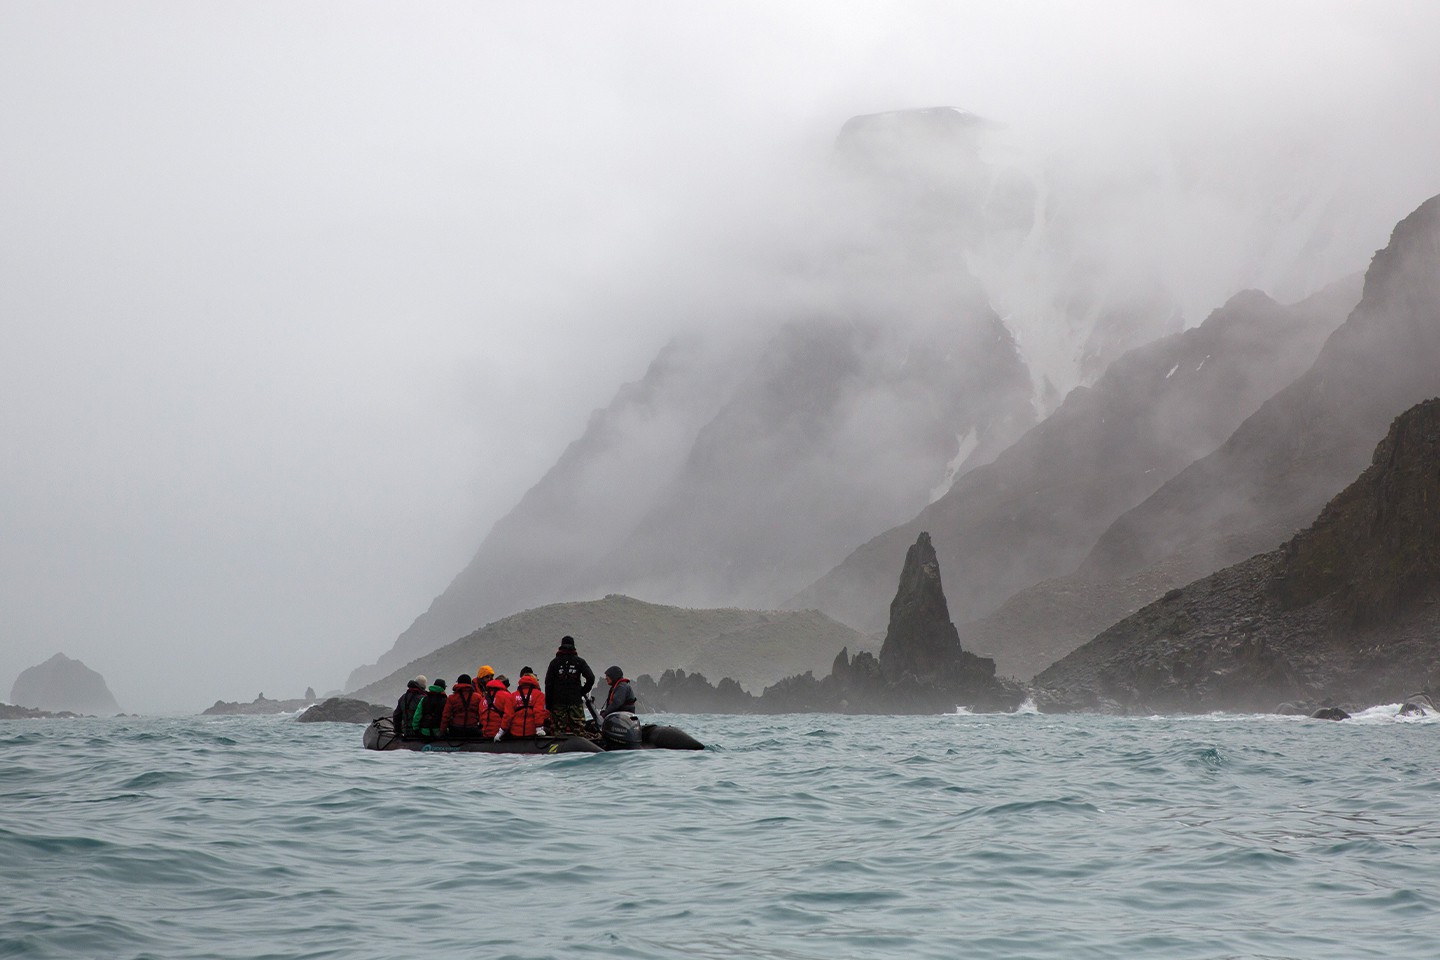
(9, 711)
(259, 707)
(1345, 614)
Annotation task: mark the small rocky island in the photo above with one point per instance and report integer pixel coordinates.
(1344, 614)
(61, 685)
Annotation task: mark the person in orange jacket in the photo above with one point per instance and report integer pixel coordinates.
(492, 715)
(462, 709)
(526, 714)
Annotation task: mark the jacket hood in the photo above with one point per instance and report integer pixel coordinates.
(529, 681)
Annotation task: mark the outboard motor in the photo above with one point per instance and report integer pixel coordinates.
(622, 732)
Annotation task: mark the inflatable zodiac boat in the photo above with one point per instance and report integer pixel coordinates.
(621, 731)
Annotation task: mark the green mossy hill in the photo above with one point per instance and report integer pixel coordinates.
(754, 647)
(1347, 612)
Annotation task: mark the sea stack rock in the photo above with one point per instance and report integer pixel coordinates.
(920, 640)
(922, 663)
(61, 684)
(1347, 610)
(921, 667)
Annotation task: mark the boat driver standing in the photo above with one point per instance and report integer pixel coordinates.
(567, 681)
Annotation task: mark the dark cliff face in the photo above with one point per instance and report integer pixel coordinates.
(1375, 548)
(1038, 509)
(64, 684)
(1344, 612)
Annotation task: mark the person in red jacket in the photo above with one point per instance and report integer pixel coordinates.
(526, 714)
(492, 708)
(462, 709)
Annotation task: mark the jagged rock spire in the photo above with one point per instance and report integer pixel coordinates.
(921, 640)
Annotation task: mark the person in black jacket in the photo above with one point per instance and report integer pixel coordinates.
(430, 712)
(567, 681)
(404, 717)
(622, 697)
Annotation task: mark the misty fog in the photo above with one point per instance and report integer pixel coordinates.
(299, 299)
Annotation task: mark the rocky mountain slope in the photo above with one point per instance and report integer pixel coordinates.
(841, 431)
(1347, 611)
(1270, 477)
(754, 647)
(61, 684)
(1038, 509)
(929, 295)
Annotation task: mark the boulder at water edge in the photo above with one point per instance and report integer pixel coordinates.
(343, 710)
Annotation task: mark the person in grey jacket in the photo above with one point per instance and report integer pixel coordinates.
(621, 698)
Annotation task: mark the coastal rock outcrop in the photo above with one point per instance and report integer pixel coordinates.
(9, 711)
(259, 707)
(344, 710)
(61, 684)
(1347, 610)
(921, 667)
(921, 642)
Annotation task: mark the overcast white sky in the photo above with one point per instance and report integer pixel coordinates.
(297, 298)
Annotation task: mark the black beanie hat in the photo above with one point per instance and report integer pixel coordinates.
(614, 673)
(463, 678)
(567, 643)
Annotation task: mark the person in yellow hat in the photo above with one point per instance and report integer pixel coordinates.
(484, 675)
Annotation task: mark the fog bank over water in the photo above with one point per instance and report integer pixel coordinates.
(296, 300)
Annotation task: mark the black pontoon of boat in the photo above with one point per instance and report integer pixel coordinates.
(620, 731)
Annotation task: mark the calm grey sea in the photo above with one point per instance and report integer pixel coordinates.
(795, 837)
